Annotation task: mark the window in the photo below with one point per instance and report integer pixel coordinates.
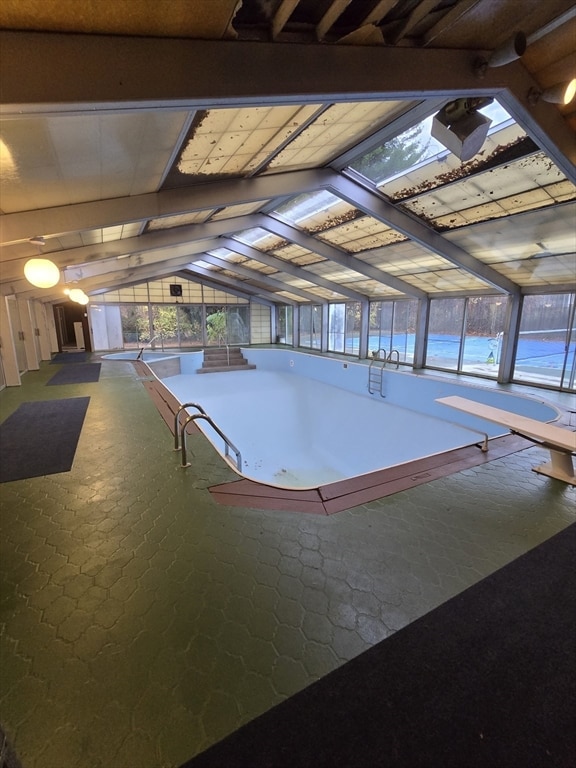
(135, 325)
(229, 325)
(344, 327)
(393, 326)
(445, 333)
(546, 351)
(485, 317)
(284, 316)
(466, 334)
(310, 330)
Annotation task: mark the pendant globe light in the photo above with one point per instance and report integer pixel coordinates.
(42, 273)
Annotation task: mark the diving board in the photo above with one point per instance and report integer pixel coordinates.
(560, 442)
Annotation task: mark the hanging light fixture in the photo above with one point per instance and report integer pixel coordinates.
(42, 273)
(77, 295)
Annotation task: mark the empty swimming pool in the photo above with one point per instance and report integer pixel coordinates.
(303, 421)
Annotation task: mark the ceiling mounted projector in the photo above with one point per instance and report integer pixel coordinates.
(461, 128)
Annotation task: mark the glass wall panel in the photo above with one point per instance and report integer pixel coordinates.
(353, 328)
(336, 327)
(445, 333)
(228, 325)
(284, 317)
(344, 327)
(316, 330)
(135, 325)
(546, 342)
(404, 329)
(165, 325)
(381, 313)
(305, 324)
(190, 326)
(310, 330)
(485, 317)
(393, 326)
(238, 324)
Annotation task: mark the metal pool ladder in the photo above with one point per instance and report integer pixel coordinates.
(229, 445)
(376, 374)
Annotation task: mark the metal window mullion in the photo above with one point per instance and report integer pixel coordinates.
(569, 330)
(462, 336)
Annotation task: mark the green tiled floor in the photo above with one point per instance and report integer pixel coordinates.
(141, 622)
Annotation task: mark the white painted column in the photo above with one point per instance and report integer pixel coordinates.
(7, 347)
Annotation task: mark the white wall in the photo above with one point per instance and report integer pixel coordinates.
(7, 347)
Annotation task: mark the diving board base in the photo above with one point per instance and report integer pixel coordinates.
(560, 467)
(559, 441)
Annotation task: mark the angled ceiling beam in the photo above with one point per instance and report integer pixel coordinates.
(164, 73)
(277, 227)
(290, 269)
(282, 16)
(333, 12)
(262, 279)
(224, 281)
(200, 74)
(185, 274)
(78, 270)
(55, 221)
(416, 15)
(378, 12)
(383, 210)
(113, 280)
(229, 285)
(166, 243)
(102, 283)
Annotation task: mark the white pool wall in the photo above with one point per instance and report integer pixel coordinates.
(403, 388)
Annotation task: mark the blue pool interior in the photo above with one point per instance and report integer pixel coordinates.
(135, 354)
(300, 420)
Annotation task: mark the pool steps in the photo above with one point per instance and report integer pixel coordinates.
(220, 359)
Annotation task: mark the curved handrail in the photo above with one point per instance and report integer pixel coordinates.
(376, 355)
(229, 444)
(176, 419)
(389, 358)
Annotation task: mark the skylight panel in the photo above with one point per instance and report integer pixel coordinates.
(242, 209)
(259, 238)
(417, 150)
(313, 210)
(361, 234)
(525, 184)
(235, 142)
(180, 220)
(332, 132)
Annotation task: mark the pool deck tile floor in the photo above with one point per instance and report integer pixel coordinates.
(140, 621)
